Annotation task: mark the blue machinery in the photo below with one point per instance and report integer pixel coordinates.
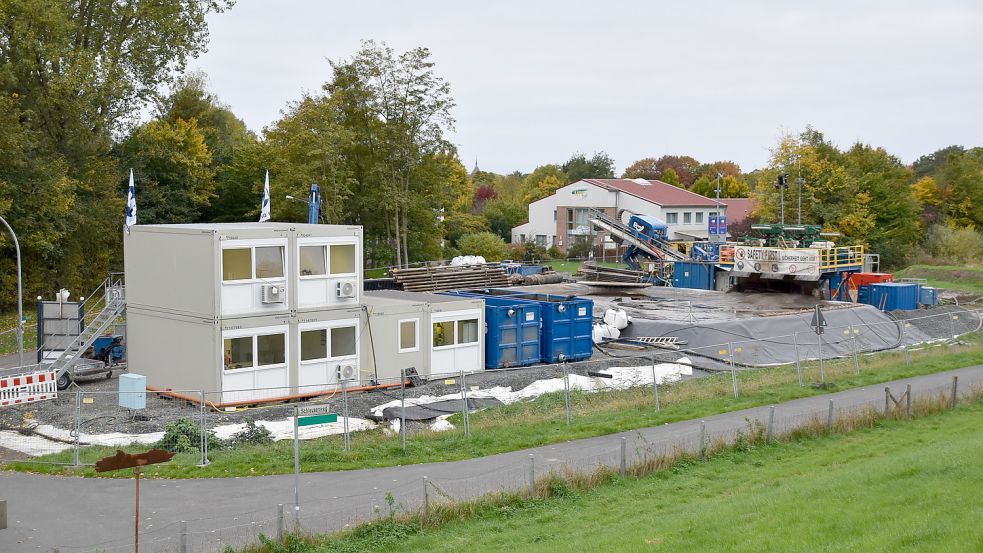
(314, 205)
(646, 237)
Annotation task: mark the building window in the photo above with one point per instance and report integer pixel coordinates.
(687, 218)
(313, 345)
(237, 264)
(408, 335)
(713, 213)
(269, 262)
(342, 259)
(541, 239)
(271, 349)
(576, 218)
(443, 334)
(699, 216)
(672, 218)
(342, 341)
(238, 353)
(312, 260)
(467, 331)
(554, 215)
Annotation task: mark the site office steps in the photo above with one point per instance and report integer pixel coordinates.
(72, 360)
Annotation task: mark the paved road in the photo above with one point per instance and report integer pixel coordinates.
(78, 514)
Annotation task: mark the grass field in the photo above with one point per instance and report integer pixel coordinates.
(950, 277)
(529, 424)
(8, 340)
(898, 486)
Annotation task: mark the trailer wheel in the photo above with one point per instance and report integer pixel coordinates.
(109, 374)
(64, 381)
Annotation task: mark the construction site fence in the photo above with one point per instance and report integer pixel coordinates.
(330, 502)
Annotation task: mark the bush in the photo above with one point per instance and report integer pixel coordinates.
(527, 251)
(952, 246)
(486, 244)
(251, 435)
(184, 436)
(554, 253)
(580, 247)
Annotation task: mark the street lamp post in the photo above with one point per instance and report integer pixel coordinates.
(20, 298)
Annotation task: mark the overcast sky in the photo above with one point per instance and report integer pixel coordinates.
(535, 81)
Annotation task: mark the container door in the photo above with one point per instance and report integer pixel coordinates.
(455, 338)
(326, 349)
(255, 364)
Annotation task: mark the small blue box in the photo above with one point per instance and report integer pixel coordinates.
(133, 391)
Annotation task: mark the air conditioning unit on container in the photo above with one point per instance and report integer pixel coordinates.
(273, 293)
(345, 289)
(347, 372)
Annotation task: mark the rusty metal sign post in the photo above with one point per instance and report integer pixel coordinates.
(123, 460)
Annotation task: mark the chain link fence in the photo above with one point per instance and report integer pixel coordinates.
(82, 425)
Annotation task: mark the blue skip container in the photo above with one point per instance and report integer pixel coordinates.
(513, 335)
(894, 296)
(567, 323)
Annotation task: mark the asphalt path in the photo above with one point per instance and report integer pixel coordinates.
(90, 514)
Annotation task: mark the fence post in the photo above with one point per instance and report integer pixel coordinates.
(733, 371)
(203, 430)
(952, 325)
(77, 443)
(907, 403)
(829, 418)
(184, 537)
(624, 454)
(955, 383)
(703, 439)
(279, 522)
(887, 400)
(904, 344)
(771, 423)
(532, 476)
(344, 407)
(464, 405)
(856, 360)
(566, 392)
(426, 499)
(655, 387)
(822, 369)
(798, 362)
(402, 405)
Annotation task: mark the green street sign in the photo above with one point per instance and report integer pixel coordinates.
(317, 419)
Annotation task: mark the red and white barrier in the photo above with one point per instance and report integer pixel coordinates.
(27, 388)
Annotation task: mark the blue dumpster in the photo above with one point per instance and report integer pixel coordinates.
(567, 323)
(513, 331)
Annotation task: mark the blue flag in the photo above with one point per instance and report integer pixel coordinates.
(264, 211)
(131, 206)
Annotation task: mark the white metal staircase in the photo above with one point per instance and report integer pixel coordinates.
(111, 303)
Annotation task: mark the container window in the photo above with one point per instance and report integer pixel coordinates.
(238, 353)
(237, 264)
(407, 335)
(271, 349)
(312, 260)
(313, 345)
(342, 341)
(269, 262)
(443, 334)
(342, 259)
(468, 331)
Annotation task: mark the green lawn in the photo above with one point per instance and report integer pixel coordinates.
(900, 486)
(950, 277)
(8, 340)
(564, 266)
(529, 424)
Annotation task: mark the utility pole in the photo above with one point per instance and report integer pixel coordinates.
(799, 181)
(20, 298)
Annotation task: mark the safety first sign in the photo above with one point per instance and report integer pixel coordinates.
(801, 263)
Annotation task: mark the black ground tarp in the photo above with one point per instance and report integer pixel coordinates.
(438, 408)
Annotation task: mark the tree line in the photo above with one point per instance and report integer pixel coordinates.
(75, 78)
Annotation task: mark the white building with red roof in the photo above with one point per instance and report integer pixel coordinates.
(560, 219)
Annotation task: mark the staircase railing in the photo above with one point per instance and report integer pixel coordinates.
(101, 308)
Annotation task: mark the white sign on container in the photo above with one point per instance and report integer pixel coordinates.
(799, 262)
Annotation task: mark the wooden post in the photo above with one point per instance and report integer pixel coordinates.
(733, 371)
(3, 514)
(703, 439)
(184, 536)
(907, 404)
(798, 362)
(136, 520)
(887, 401)
(426, 499)
(532, 476)
(771, 423)
(279, 522)
(955, 383)
(624, 460)
(829, 418)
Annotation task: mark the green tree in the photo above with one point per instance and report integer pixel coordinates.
(669, 176)
(598, 166)
(545, 188)
(486, 244)
(642, 169)
(685, 167)
(172, 167)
